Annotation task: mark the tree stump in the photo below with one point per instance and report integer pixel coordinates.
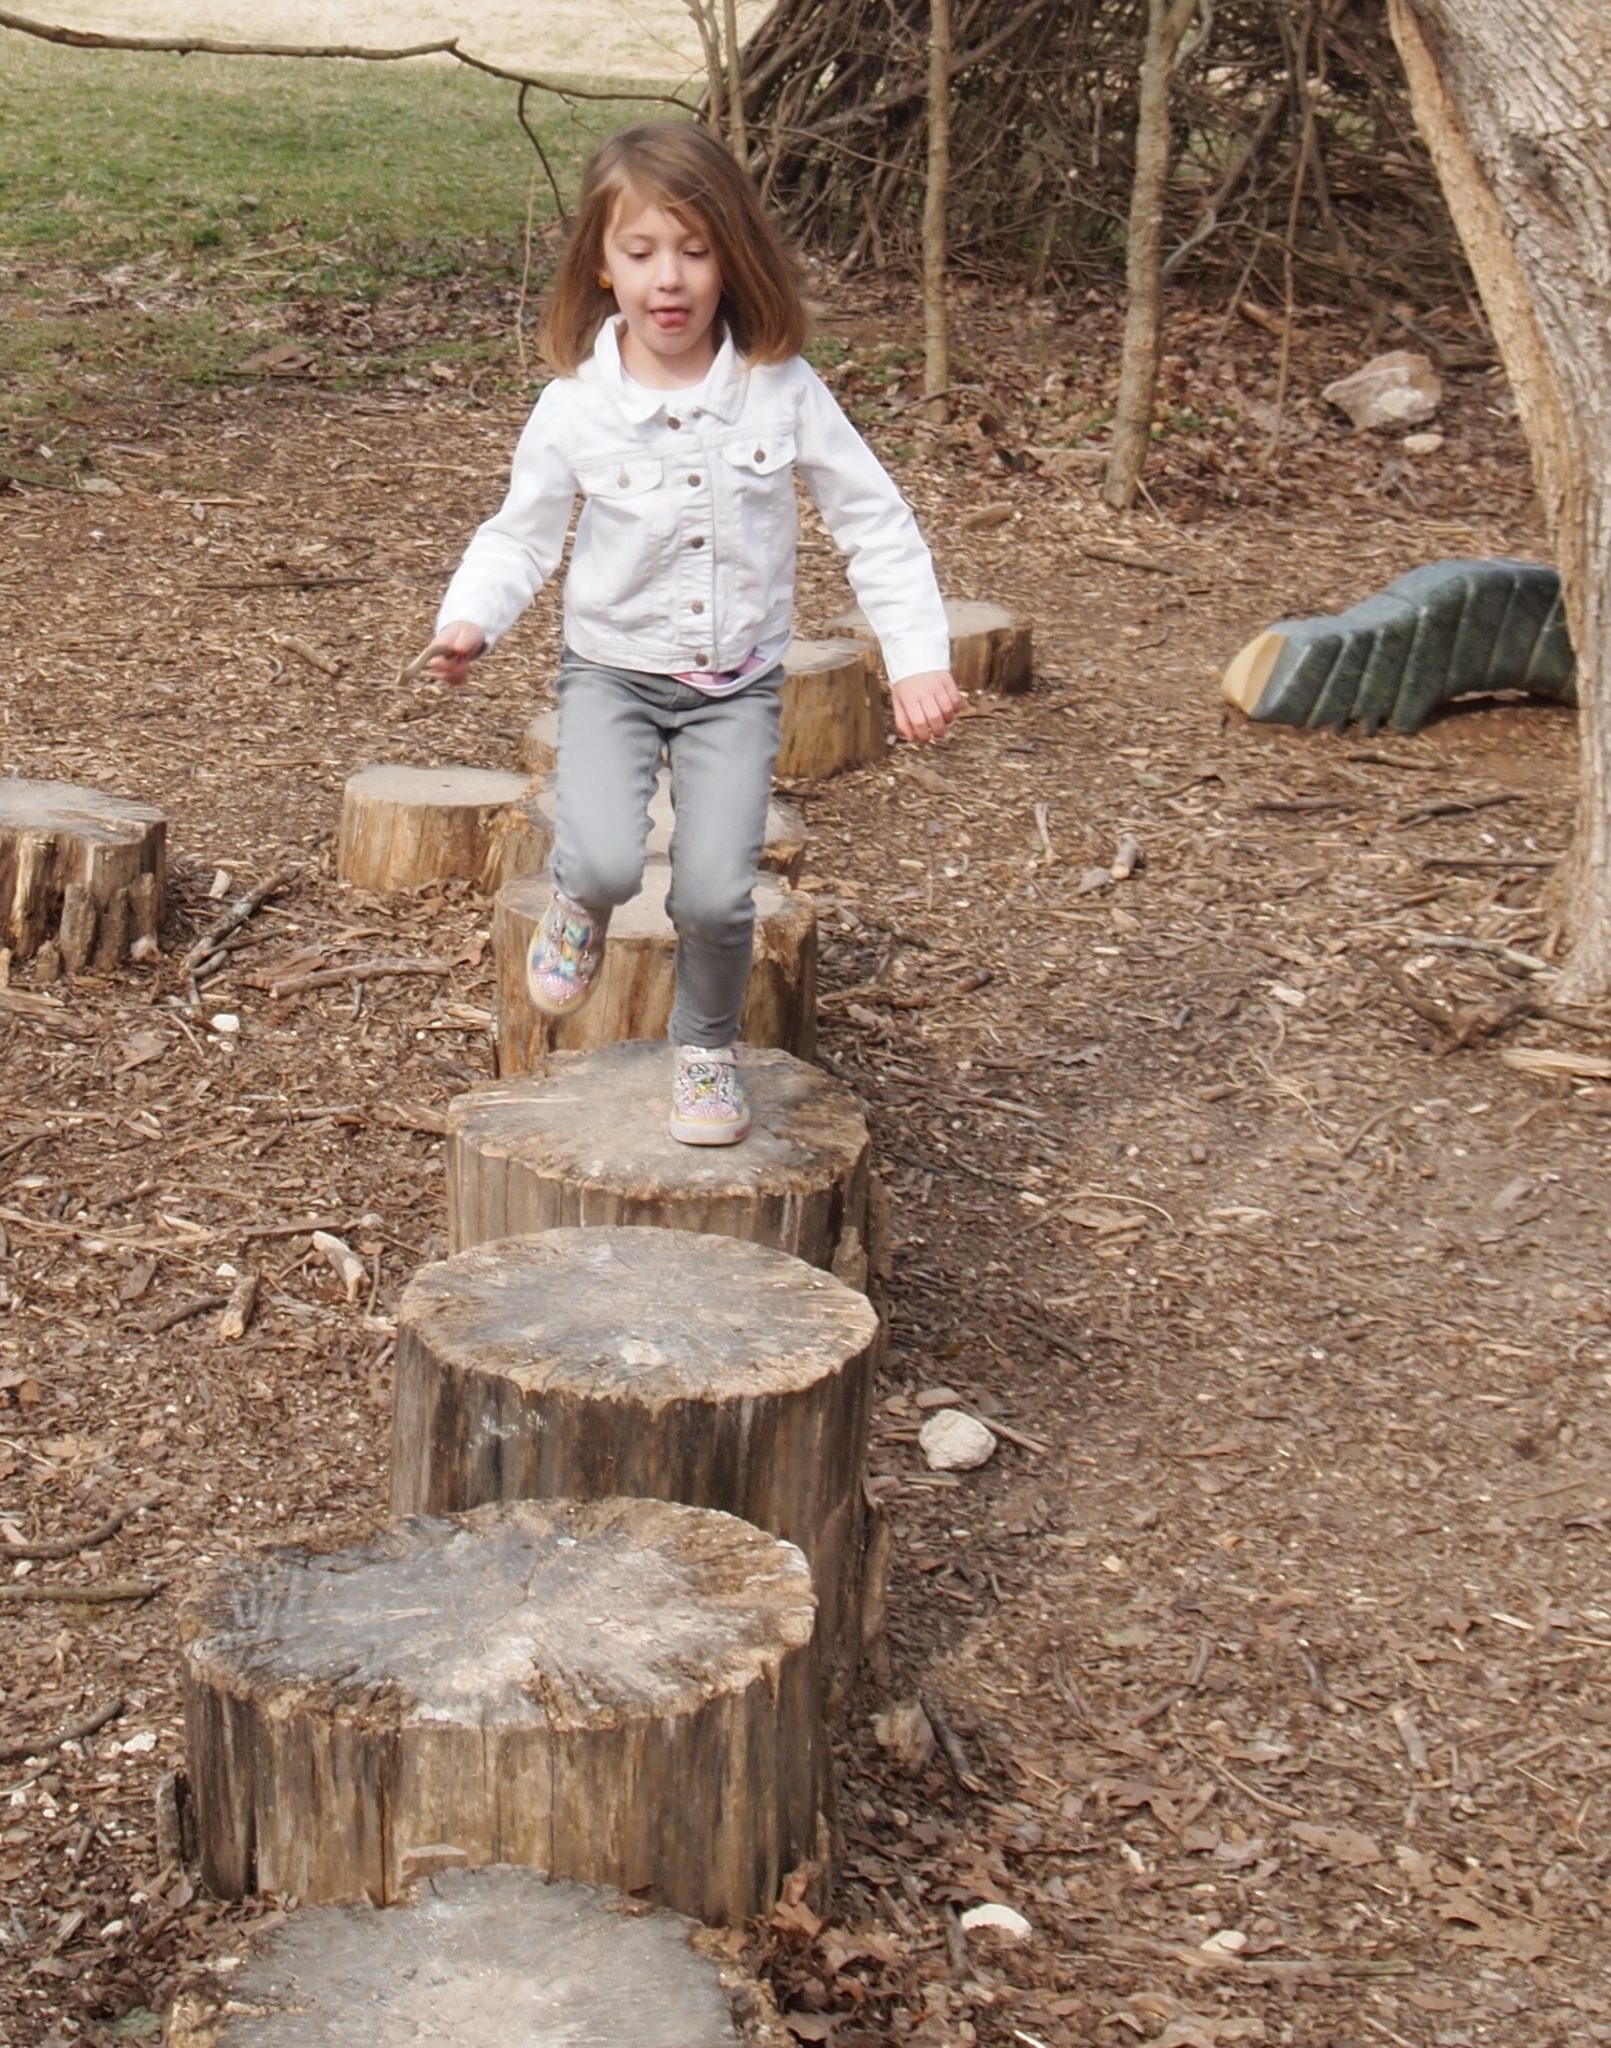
(537, 749)
(625, 1692)
(529, 839)
(661, 1363)
(992, 649)
(636, 985)
(583, 1139)
(834, 711)
(403, 826)
(80, 871)
(495, 1958)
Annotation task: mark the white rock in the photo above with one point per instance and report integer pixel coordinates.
(226, 1021)
(999, 1919)
(1396, 390)
(954, 1442)
(1421, 444)
(1229, 1941)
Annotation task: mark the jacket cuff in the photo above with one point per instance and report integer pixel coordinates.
(915, 656)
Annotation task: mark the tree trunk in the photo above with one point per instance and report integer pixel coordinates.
(834, 714)
(482, 1959)
(402, 826)
(936, 195)
(1167, 21)
(1515, 106)
(624, 1692)
(81, 874)
(666, 1364)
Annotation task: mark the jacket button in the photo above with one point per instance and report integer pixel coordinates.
(693, 479)
(698, 541)
(760, 455)
(670, 422)
(697, 605)
(623, 479)
(703, 657)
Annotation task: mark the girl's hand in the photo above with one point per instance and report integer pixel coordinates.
(925, 704)
(452, 651)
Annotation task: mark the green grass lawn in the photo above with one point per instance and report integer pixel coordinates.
(170, 217)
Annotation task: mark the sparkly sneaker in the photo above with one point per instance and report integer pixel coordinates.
(564, 957)
(708, 1106)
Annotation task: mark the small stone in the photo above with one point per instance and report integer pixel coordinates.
(997, 1919)
(905, 1732)
(226, 1021)
(1421, 444)
(954, 1442)
(937, 1397)
(1399, 389)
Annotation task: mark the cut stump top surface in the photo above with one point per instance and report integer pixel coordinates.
(557, 1614)
(645, 1316)
(598, 1119)
(494, 1958)
(394, 782)
(73, 808)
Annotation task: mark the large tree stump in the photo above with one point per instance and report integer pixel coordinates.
(637, 981)
(80, 872)
(529, 838)
(992, 648)
(676, 1366)
(583, 1139)
(834, 710)
(494, 1958)
(403, 826)
(537, 749)
(625, 1692)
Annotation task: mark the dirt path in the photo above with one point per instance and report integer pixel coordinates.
(597, 38)
(1272, 1647)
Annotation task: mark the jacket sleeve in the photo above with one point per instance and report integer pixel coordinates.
(513, 554)
(889, 566)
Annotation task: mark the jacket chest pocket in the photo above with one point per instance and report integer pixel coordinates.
(624, 493)
(761, 471)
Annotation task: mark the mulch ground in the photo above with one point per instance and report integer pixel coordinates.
(1266, 1660)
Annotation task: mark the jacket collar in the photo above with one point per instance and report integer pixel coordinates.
(722, 392)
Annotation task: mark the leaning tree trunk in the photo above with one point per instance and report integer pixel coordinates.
(1167, 22)
(1515, 106)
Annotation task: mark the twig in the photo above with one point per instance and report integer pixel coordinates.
(70, 1546)
(97, 1593)
(1453, 807)
(1121, 560)
(955, 1755)
(75, 1731)
(360, 970)
(1459, 942)
(183, 1312)
(1013, 1436)
(238, 912)
(1489, 860)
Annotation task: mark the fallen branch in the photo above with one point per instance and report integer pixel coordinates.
(238, 912)
(70, 1546)
(360, 970)
(75, 1731)
(1454, 807)
(98, 1593)
(183, 1312)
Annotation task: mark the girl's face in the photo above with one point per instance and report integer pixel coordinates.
(668, 288)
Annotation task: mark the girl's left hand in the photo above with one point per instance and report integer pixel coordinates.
(925, 704)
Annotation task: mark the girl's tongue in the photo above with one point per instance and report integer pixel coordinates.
(670, 317)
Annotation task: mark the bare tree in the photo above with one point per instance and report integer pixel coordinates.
(936, 194)
(1163, 51)
(1515, 105)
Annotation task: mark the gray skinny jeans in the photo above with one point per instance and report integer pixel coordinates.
(613, 723)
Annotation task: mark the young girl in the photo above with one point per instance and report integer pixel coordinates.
(683, 413)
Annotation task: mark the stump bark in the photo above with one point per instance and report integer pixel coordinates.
(583, 1139)
(624, 1692)
(537, 749)
(402, 826)
(494, 1958)
(80, 871)
(659, 1363)
(637, 982)
(529, 839)
(992, 648)
(834, 711)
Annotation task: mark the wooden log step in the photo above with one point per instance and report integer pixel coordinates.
(637, 980)
(82, 875)
(529, 840)
(835, 714)
(992, 648)
(583, 1139)
(402, 826)
(494, 1958)
(625, 1692)
(662, 1363)
(537, 749)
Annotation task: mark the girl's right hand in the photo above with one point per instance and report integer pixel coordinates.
(452, 651)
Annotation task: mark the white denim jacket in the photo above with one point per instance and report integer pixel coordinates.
(685, 549)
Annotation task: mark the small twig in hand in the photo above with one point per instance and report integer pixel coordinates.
(70, 1546)
(93, 1593)
(75, 1731)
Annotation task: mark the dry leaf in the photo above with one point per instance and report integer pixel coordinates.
(1341, 1845)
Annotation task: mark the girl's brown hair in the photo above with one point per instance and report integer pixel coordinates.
(683, 168)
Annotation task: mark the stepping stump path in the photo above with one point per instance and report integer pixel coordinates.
(530, 837)
(835, 713)
(666, 1364)
(637, 980)
(495, 1958)
(82, 875)
(403, 826)
(583, 1139)
(992, 648)
(624, 1692)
